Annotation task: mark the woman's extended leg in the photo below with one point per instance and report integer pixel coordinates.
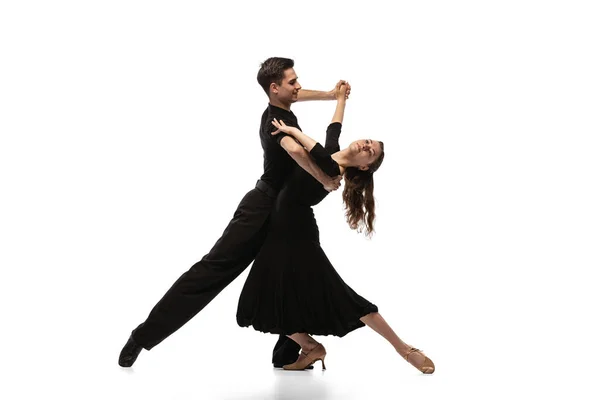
(376, 322)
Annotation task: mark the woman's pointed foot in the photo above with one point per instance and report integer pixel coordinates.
(419, 360)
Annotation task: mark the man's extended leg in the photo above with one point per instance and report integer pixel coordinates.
(232, 253)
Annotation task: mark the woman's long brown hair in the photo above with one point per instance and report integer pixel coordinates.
(358, 196)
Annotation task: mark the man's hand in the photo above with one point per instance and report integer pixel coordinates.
(342, 92)
(333, 183)
(334, 91)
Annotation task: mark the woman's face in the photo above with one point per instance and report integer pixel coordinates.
(364, 152)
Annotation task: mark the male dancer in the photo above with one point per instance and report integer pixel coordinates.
(246, 232)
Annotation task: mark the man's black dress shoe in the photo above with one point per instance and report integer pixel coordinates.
(130, 353)
(286, 352)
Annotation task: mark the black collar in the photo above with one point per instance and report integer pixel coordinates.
(279, 110)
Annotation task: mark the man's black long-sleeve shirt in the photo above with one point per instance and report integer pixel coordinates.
(277, 163)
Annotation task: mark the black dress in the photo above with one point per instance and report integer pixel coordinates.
(292, 286)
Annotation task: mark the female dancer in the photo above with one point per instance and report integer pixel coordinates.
(292, 288)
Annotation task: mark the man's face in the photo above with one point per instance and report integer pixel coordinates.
(287, 92)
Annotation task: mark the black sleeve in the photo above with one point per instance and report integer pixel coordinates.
(279, 136)
(269, 128)
(332, 143)
(324, 160)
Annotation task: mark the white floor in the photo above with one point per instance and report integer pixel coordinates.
(196, 364)
(356, 370)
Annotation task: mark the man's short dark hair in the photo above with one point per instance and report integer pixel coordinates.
(271, 71)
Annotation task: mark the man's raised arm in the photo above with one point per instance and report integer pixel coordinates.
(310, 95)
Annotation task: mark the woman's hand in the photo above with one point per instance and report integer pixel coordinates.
(342, 91)
(332, 183)
(333, 93)
(282, 127)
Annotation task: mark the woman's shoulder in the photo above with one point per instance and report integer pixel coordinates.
(334, 127)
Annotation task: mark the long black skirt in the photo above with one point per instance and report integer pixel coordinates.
(293, 288)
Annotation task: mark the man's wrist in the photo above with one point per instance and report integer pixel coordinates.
(322, 177)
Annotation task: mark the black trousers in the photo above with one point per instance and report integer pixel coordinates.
(233, 252)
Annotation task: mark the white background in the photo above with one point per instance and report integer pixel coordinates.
(129, 133)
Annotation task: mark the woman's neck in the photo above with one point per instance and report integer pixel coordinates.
(341, 158)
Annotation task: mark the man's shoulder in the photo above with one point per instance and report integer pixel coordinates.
(279, 112)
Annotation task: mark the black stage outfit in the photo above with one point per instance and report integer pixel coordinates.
(292, 286)
(232, 253)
